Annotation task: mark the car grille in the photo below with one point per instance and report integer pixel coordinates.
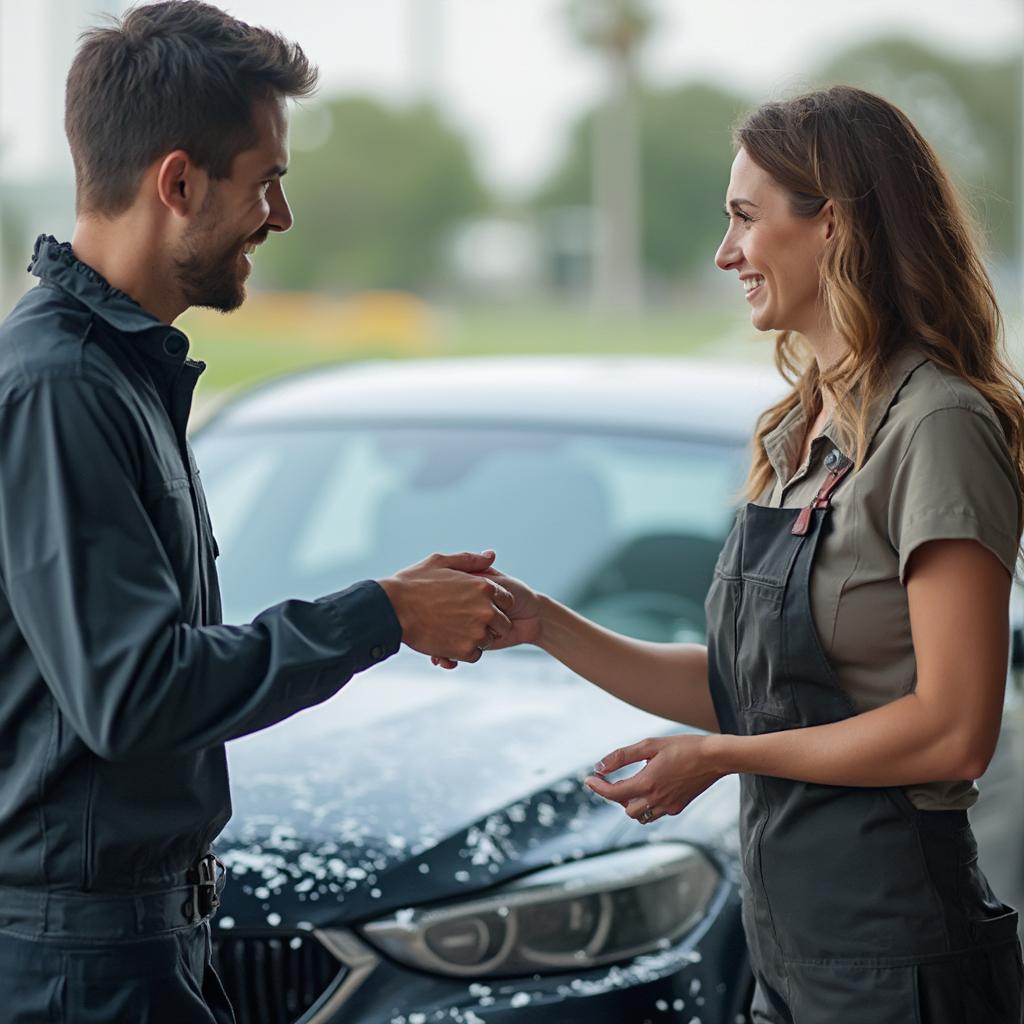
(273, 977)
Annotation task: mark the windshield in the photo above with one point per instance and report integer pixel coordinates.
(625, 529)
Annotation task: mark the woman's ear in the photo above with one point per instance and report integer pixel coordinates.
(828, 219)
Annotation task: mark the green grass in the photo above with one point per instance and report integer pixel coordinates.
(265, 340)
(272, 335)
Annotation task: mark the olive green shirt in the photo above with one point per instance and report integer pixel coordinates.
(937, 467)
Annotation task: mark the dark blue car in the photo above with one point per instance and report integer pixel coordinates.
(420, 849)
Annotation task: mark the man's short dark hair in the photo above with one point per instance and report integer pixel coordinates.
(180, 74)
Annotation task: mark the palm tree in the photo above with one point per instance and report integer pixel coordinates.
(616, 29)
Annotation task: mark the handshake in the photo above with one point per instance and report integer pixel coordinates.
(454, 607)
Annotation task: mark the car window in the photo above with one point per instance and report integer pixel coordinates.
(626, 529)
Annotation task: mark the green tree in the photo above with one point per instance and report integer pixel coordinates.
(969, 110)
(686, 150)
(373, 200)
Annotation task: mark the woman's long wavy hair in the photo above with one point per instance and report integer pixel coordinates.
(904, 263)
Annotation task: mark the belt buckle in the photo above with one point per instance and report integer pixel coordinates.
(204, 898)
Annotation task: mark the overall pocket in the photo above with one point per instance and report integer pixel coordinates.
(767, 556)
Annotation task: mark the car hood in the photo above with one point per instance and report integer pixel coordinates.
(411, 786)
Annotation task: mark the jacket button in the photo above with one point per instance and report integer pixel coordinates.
(174, 344)
(377, 653)
(832, 459)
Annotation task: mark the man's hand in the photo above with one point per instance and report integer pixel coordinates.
(524, 616)
(446, 612)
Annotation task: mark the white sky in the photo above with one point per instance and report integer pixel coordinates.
(508, 71)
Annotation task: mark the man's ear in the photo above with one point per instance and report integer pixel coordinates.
(180, 185)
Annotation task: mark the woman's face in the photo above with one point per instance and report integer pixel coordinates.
(775, 252)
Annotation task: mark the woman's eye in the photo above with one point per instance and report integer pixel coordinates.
(746, 218)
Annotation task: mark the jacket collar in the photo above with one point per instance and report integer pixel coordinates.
(56, 263)
(787, 437)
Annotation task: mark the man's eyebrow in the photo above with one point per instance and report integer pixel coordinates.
(277, 171)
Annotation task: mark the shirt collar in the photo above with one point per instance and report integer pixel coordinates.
(901, 365)
(56, 263)
(782, 443)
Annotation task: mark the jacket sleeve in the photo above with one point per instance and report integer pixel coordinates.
(95, 597)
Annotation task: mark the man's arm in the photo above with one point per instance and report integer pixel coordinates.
(96, 599)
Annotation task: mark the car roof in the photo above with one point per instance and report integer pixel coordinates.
(660, 394)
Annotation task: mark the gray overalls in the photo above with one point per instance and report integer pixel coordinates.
(858, 908)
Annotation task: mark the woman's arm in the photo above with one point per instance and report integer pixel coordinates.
(670, 680)
(958, 595)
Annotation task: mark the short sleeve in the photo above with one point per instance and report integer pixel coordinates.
(955, 481)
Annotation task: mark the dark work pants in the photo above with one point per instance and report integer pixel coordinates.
(981, 987)
(161, 979)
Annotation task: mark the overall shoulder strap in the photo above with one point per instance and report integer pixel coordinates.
(822, 499)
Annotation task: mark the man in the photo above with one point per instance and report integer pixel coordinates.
(118, 685)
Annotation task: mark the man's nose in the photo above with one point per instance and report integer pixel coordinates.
(280, 217)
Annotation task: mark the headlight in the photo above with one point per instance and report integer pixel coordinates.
(579, 915)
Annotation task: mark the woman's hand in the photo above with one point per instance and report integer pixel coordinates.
(525, 616)
(676, 773)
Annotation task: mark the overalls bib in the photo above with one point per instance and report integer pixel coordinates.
(858, 908)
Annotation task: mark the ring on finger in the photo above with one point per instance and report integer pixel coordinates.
(646, 816)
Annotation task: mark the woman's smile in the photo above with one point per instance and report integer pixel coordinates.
(753, 285)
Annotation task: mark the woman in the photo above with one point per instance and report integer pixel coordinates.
(857, 621)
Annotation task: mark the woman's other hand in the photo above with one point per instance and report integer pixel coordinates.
(525, 616)
(676, 773)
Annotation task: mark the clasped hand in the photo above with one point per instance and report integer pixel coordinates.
(523, 616)
(450, 606)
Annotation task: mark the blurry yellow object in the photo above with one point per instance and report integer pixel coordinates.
(394, 321)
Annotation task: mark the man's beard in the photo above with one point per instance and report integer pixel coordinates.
(211, 274)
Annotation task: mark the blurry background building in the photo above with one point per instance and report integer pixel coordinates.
(502, 177)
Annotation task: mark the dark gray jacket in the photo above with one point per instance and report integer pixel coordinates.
(118, 685)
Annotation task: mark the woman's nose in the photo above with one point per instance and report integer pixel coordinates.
(728, 254)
